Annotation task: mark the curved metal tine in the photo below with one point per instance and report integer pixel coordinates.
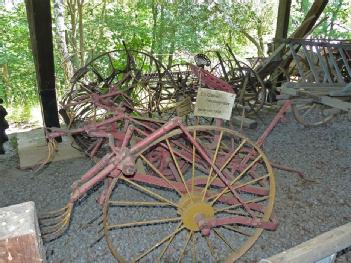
(48, 230)
(49, 236)
(54, 213)
(59, 228)
(46, 222)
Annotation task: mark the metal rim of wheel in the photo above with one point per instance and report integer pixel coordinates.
(138, 75)
(167, 203)
(104, 71)
(312, 114)
(244, 79)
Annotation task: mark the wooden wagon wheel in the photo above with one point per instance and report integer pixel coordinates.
(248, 85)
(306, 111)
(148, 217)
(312, 114)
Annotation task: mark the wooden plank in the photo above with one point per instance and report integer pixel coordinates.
(20, 239)
(316, 248)
(336, 103)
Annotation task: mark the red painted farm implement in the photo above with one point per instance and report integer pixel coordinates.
(194, 192)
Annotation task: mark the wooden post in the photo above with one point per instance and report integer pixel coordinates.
(39, 21)
(282, 21)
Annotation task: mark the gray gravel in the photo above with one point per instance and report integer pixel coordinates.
(304, 208)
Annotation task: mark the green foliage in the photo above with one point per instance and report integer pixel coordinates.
(334, 23)
(19, 114)
(17, 81)
(168, 29)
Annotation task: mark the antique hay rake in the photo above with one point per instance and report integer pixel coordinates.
(226, 189)
(194, 192)
(206, 190)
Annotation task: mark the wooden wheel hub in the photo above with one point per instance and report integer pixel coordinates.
(191, 207)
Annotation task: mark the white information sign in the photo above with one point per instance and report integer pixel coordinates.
(214, 103)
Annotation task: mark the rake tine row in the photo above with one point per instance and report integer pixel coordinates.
(58, 226)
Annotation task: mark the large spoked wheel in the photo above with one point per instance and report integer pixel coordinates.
(153, 217)
(311, 114)
(248, 85)
(138, 75)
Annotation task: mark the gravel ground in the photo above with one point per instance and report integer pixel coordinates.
(304, 208)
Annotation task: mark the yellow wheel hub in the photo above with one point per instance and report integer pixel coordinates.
(190, 206)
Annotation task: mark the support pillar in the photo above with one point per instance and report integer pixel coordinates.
(282, 21)
(40, 28)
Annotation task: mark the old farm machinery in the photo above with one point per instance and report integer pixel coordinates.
(320, 87)
(195, 192)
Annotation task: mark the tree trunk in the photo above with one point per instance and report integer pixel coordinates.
(81, 31)
(6, 78)
(61, 38)
(154, 26)
(72, 10)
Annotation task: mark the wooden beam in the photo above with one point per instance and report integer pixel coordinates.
(39, 21)
(282, 21)
(316, 248)
(310, 19)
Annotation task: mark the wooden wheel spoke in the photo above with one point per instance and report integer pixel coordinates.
(309, 110)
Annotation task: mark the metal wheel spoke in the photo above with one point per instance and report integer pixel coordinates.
(138, 203)
(149, 191)
(142, 223)
(159, 244)
(193, 164)
(185, 245)
(256, 200)
(222, 238)
(213, 253)
(178, 167)
(235, 229)
(242, 185)
(193, 249)
(214, 163)
(236, 179)
(171, 238)
(227, 161)
(160, 174)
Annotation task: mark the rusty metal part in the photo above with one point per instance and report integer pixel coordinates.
(201, 205)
